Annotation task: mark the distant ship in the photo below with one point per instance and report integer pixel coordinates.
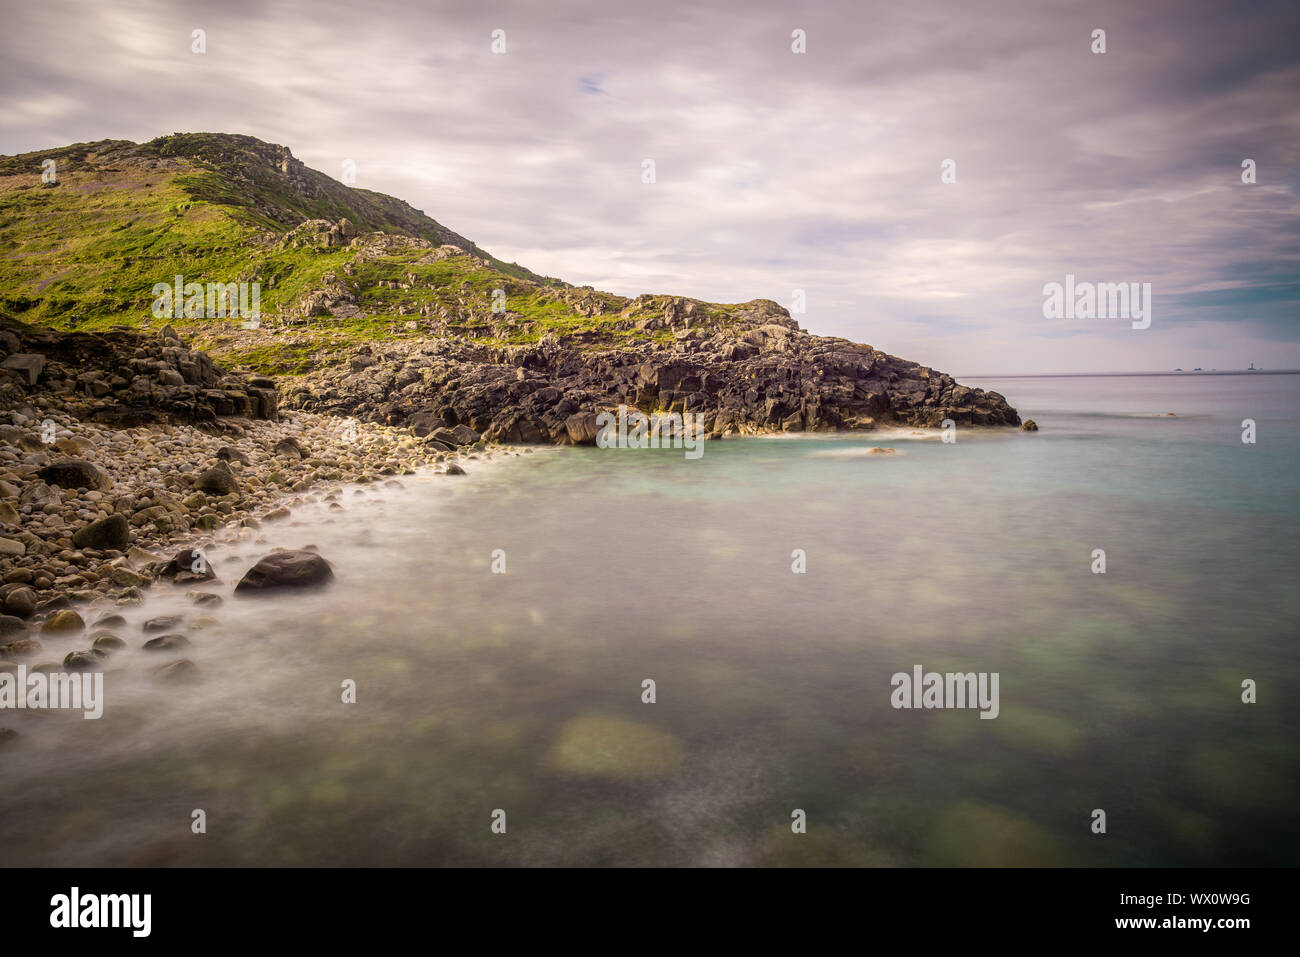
(1253, 369)
(1198, 369)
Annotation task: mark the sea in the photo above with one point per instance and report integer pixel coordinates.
(632, 657)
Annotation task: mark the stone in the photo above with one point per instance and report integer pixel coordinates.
(182, 671)
(113, 532)
(188, 565)
(74, 474)
(161, 623)
(20, 602)
(218, 481)
(285, 570)
(1029, 426)
(81, 661)
(65, 621)
(30, 363)
(9, 546)
(22, 648)
(126, 578)
(173, 642)
(107, 643)
(291, 447)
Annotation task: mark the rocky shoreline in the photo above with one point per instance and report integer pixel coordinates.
(101, 496)
(123, 455)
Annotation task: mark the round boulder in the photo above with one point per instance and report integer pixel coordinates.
(188, 565)
(65, 621)
(74, 473)
(20, 602)
(167, 643)
(217, 481)
(288, 569)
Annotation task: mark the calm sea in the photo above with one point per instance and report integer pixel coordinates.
(479, 692)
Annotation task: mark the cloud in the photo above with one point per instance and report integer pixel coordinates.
(775, 171)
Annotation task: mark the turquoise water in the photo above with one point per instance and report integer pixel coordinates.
(523, 691)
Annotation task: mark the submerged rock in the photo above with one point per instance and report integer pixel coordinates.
(183, 671)
(22, 648)
(167, 643)
(81, 661)
(1029, 426)
(604, 746)
(162, 623)
(107, 643)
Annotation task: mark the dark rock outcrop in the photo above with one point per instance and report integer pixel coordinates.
(124, 378)
(756, 373)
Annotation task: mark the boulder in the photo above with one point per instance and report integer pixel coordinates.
(173, 642)
(291, 447)
(285, 570)
(82, 660)
(188, 565)
(107, 643)
(73, 474)
(113, 532)
(30, 364)
(217, 481)
(161, 623)
(66, 621)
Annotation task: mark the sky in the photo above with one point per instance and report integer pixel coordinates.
(813, 177)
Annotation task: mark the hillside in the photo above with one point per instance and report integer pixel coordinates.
(369, 307)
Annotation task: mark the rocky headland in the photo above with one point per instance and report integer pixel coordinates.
(384, 343)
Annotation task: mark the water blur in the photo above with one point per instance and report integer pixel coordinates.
(523, 691)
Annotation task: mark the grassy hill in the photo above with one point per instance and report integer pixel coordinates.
(86, 253)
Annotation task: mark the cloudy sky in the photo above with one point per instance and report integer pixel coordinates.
(774, 170)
